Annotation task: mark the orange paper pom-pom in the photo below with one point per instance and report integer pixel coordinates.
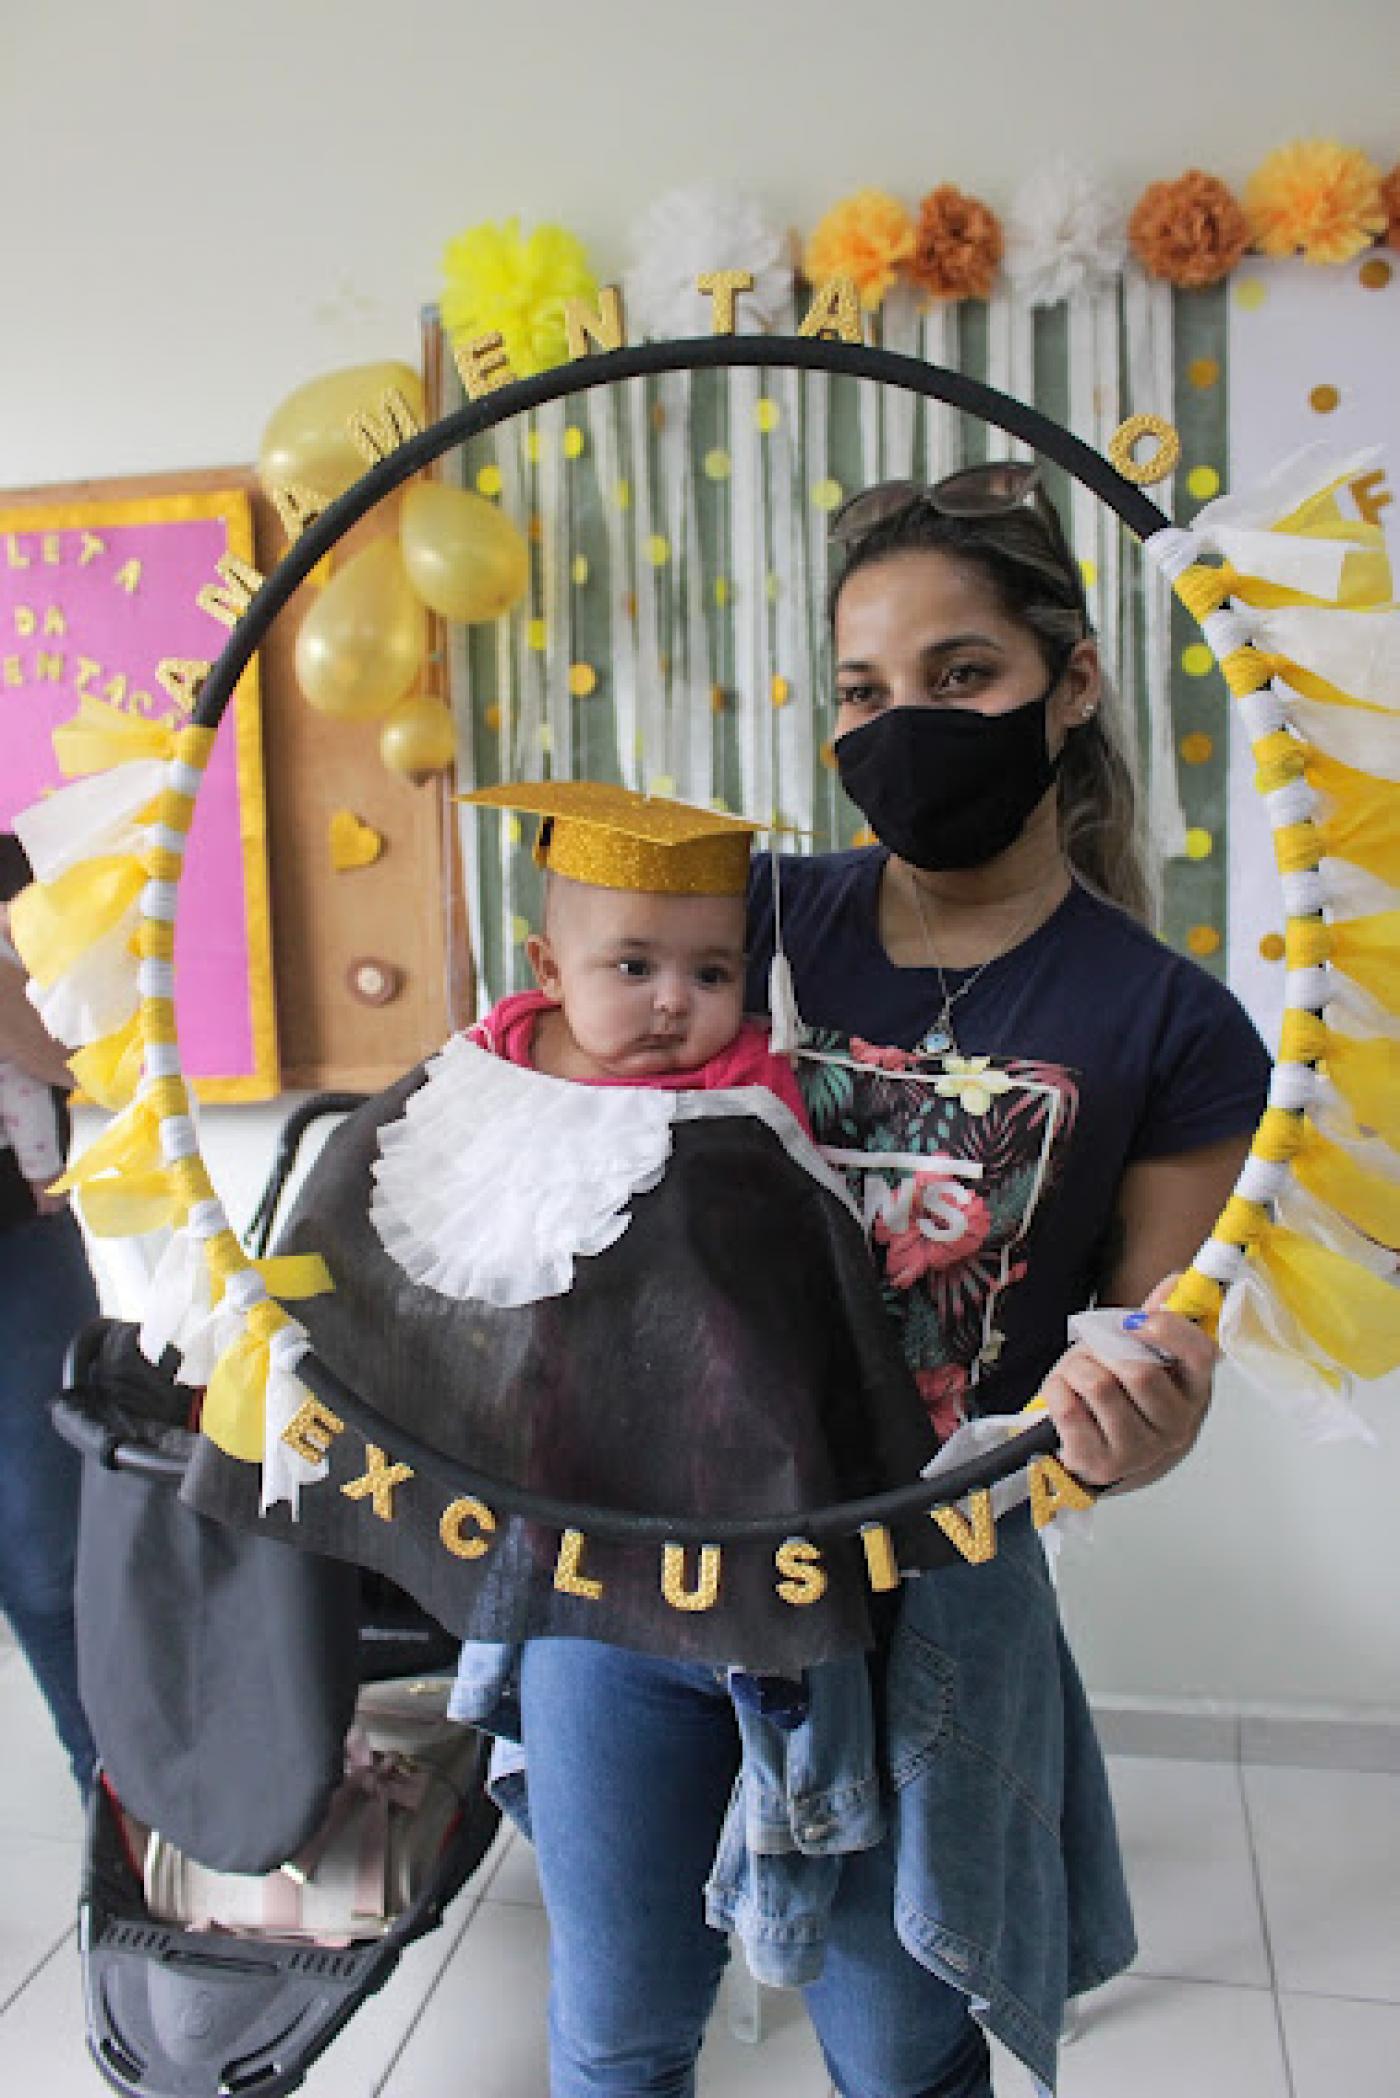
(1191, 231)
(866, 238)
(1315, 198)
(1390, 204)
(957, 246)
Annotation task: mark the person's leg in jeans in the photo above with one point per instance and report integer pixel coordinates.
(46, 1294)
(631, 1762)
(889, 2028)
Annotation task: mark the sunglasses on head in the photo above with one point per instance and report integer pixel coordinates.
(974, 491)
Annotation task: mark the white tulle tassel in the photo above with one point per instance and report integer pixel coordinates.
(284, 1471)
(181, 1301)
(1358, 652)
(97, 995)
(91, 819)
(1263, 1341)
(784, 1020)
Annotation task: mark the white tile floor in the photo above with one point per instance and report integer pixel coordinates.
(1268, 1905)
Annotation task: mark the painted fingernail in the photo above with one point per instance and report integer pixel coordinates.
(1133, 1319)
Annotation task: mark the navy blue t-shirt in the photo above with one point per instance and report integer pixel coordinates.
(1103, 1048)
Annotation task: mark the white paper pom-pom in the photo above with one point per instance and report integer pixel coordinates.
(1066, 233)
(694, 232)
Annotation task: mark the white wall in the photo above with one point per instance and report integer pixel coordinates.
(205, 205)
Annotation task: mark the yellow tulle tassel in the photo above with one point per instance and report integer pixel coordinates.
(100, 736)
(1365, 1071)
(53, 924)
(109, 1070)
(1353, 1315)
(121, 1179)
(295, 1276)
(234, 1401)
(1364, 1198)
(1362, 823)
(1365, 949)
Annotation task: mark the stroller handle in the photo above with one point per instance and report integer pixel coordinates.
(92, 1438)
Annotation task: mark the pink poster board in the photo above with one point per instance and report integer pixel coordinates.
(92, 597)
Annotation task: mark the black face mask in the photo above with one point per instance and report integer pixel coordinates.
(945, 787)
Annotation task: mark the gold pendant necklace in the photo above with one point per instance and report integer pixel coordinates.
(940, 1039)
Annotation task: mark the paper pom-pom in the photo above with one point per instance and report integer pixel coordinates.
(1390, 204)
(865, 237)
(497, 283)
(1191, 231)
(692, 233)
(1315, 198)
(1065, 235)
(957, 246)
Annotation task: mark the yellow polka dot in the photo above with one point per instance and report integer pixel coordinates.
(1203, 939)
(534, 446)
(719, 699)
(827, 495)
(1203, 372)
(583, 679)
(767, 414)
(536, 635)
(545, 737)
(1324, 399)
(622, 494)
(1250, 292)
(827, 754)
(492, 718)
(573, 442)
(772, 586)
(718, 465)
(721, 591)
(534, 530)
(864, 836)
(578, 569)
(780, 691)
(1375, 274)
(1090, 572)
(1197, 748)
(488, 480)
(658, 550)
(663, 786)
(1273, 947)
(1199, 844)
(719, 804)
(1197, 660)
(1203, 482)
(514, 830)
(519, 929)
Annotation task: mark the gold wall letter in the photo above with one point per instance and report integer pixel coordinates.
(311, 1431)
(801, 1563)
(454, 1518)
(724, 286)
(704, 1594)
(603, 324)
(835, 310)
(567, 1578)
(975, 1539)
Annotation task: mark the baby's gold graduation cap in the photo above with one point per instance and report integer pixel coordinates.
(612, 838)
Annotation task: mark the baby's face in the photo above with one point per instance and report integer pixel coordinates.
(646, 983)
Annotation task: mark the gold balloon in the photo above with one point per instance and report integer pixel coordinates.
(463, 557)
(361, 644)
(308, 444)
(418, 739)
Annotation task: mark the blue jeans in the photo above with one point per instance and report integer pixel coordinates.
(631, 1763)
(46, 1294)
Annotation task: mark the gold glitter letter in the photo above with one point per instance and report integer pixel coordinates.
(377, 431)
(706, 1590)
(297, 507)
(1053, 1488)
(181, 678)
(604, 325)
(880, 1561)
(311, 1431)
(378, 1482)
(977, 1539)
(723, 286)
(835, 310)
(458, 1513)
(567, 1578)
(483, 365)
(801, 1563)
(228, 604)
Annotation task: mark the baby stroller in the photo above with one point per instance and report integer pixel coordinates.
(281, 1807)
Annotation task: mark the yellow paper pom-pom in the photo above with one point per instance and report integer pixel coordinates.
(866, 237)
(1315, 198)
(499, 282)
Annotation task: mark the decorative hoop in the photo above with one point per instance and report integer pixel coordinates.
(1299, 846)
